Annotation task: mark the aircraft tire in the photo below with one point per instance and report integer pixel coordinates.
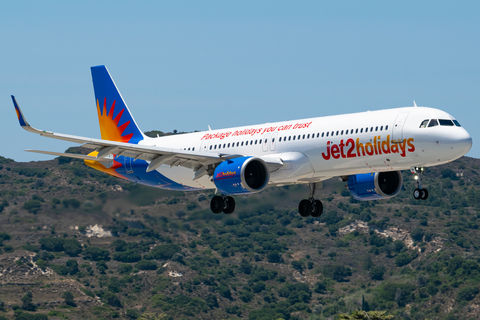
(217, 204)
(417, 194)
(318, 209)
(229, 205)
(424, 194)
(305, 208)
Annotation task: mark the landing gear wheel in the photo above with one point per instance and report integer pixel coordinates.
(417, 193)
(217, 204)
(305, 208)
(424, 194)
(317, 212)
(229, 205)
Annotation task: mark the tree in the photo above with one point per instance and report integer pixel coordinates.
(72, 247)
(163, 251)
(376, 273)
(146, 265)
(127, 256)
(363, 315)
(298, 265)
(245, 266)
(27, 302)
(96, 254)
(72, 267)
(68, 299)
(274, 257)
(111, 299)
(467, 294)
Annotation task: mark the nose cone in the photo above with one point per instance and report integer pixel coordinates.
(463, 142)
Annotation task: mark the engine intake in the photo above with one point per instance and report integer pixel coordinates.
(381, 185)
(241, 175)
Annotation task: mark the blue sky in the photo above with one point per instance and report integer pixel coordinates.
(188, 64)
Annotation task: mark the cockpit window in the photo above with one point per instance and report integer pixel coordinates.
(424, 123)
(456, 123)
(446, 122)
(433, 123)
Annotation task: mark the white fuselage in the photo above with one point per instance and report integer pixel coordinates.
(316, 149)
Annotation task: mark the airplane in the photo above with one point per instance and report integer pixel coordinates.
(366, 150)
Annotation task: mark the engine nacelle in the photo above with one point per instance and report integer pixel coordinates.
(241, 175)
(380, 185)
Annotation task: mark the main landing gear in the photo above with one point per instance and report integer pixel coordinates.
(419, 193)
(222, 203)
(310, 206)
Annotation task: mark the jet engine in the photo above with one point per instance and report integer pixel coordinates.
(241, 175)
(374, 186)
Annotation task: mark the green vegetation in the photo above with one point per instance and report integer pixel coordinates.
(164, 255)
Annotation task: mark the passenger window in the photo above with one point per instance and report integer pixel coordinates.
(327, 134)
(289, 138)
(224, 145)
(371, 129)
(337, 133)
(456, 123)
(446, 122)
(386, 127)
(433, 123)
(251, 142)
(303, 137)
(238, 143)
(341, 133)
(273, 140)
(318, 134)
(424, 123)
(381, 128)
(323, 134)
(193, 149)
(356, 130)
(361, 130)
(228, 146)
(294, 138)
(255, 141)
(210, 147)
(308, 136)
(351, 131)
(376, 128)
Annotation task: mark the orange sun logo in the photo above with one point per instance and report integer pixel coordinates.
(109, 128)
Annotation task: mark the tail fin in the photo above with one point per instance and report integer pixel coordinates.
(116, 121)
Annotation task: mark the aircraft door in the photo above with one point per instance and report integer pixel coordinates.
(265, 142)
(204, 145)
(127, 161)
(397, 131)
(273, 142)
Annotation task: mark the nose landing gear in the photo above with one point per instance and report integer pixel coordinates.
(222, 203)
(419, 193)
(311, 206)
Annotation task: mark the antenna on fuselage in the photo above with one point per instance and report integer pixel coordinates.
(414, 104)
(209, 129)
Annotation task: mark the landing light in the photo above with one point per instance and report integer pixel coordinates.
(416, 177)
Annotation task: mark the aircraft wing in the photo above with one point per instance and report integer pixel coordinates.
(157, 156)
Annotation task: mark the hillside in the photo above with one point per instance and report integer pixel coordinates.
(121, 249)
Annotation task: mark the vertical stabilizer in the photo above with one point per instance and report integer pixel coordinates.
(116, 121)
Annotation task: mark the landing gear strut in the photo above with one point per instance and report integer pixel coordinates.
(310, 206)
(222, 203)
(419, 193)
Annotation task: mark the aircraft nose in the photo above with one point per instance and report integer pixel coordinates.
(464, 142)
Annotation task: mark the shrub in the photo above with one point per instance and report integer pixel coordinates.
(127, 256)
(146, 265)
(376, 273)
(163, 251)
(71, 266)
(68, 299)
(467, 294)
(402, 259)
(124, 268)
(72, 247)
(111, 299)
(337, 272)
(96, 254)
(32, 206)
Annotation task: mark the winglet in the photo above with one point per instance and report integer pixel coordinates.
(21, 118)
